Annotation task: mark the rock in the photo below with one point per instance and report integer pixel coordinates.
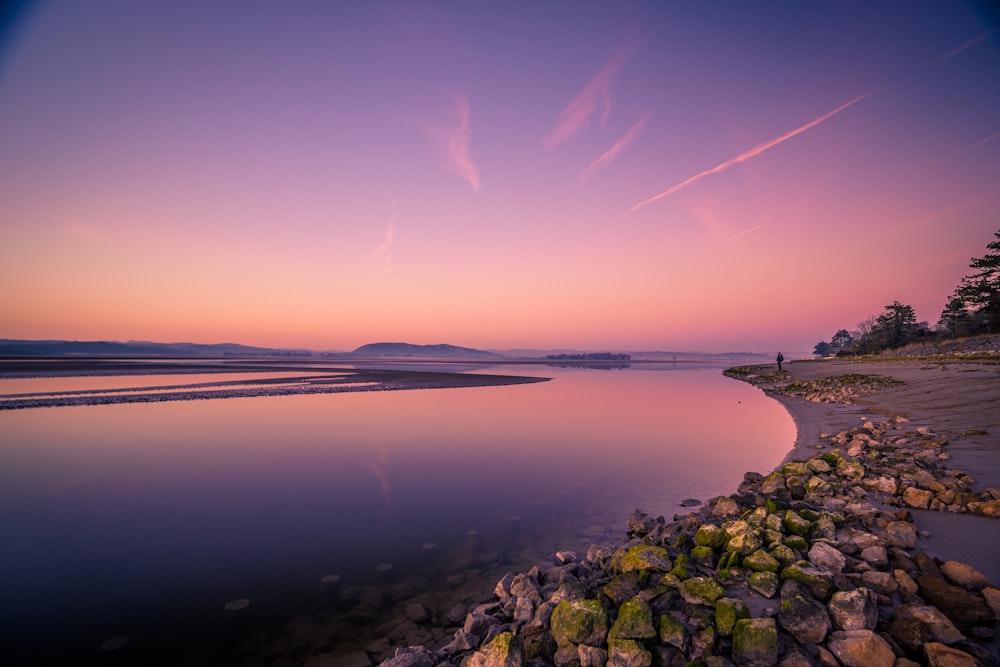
(725, 507)
(827, 557)
(672, 632)
(741, 537)
(502, 651)
(641, 523)
(819, 583)
(411, 656)
(964, 575)
(592, 656)
(709, 535)
(992, 596)
(755, 642)
(861, 648)
(939, 655)
(939, 627)
(635, 621)
(804, 619)
(478, 624)
(853, 610)
(623, 586)
(700, 590)
(628, 653)
(579, 622)
(989, 508)
(965, 609)
(418, 613)
(727, 612)
(645, 557)
(765, 583)
(794, 524)
(901, 534)
(876, 555)
(917, 498)
(761, 561)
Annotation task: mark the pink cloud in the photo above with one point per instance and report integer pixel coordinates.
(384, 251)
(612, 153)
(577, 115)
(752, 153)
(458, 153)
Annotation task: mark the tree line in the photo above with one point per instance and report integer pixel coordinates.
(973, 309)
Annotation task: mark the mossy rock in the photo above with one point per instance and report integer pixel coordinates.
(809, 515)
(761, 561)
(774, 482)
(709, 535)
(644, 557)
(701, 590)
(785, 554)
(832, 458)
(680, 566)
(635, 621)
(623, 586)
(820, 584)
(818, 486)
(727, 612)
(765, 583)
(502, 651)
(704, 556)
(672, 632)
(796, 524)
(757, 517)
(795, 469)
(774, 522)
(755, 642)
(741, 537)
(628, 652)
(579, 622)
(850, 469)
(797, 542)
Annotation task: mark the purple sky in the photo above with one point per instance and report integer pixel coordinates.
(600, 175)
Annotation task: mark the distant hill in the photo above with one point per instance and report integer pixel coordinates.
(440, 351)
(62, 348)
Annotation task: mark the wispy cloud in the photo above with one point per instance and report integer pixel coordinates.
(458, 152)
(981, 142)
(747, 231)
(968, 45)
(612, 153)
(384, 251)
(752, 153)
(596, 94)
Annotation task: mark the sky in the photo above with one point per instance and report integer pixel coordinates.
(629, 175)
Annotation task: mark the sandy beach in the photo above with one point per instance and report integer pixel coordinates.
(957, 399)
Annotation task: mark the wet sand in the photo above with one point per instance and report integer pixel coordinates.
(952, 398)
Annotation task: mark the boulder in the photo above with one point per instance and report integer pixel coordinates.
(939, 655)
(502, 651)
(628, 653)
(761, 561)
(755, 642)
(701, 591)
(827, 557)
(635, 621)
(579, 622)
(672, 632)
(765, 583)
(939, 627)
(853, 610)
(804, 619)
(964, 575)
(965, 609)
(861, 648)
(819, 583)
(592, 656)
(645, 557)
(727, 612)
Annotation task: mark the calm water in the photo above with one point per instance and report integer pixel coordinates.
(143, 519)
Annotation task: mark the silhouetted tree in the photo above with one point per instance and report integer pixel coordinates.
(978, 295)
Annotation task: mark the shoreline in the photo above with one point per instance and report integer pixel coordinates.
(827, 560)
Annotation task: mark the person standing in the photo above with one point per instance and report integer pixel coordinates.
(780, 359)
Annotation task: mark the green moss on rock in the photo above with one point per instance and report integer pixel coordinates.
(727, 612)
(761, 561)
(701, 590)
(635, 621)
(579, 622)
(644, 557)
(755, 642)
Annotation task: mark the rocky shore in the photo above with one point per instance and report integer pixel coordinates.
(820, 562)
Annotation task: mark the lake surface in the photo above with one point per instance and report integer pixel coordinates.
(143, 519)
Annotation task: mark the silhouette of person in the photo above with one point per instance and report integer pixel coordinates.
(780, 359)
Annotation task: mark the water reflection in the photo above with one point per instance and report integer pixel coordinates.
(128, 518)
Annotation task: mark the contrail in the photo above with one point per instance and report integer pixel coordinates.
(611, 154)
(969, 44)
(747, 231)
(457, 146)
(743, 157)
